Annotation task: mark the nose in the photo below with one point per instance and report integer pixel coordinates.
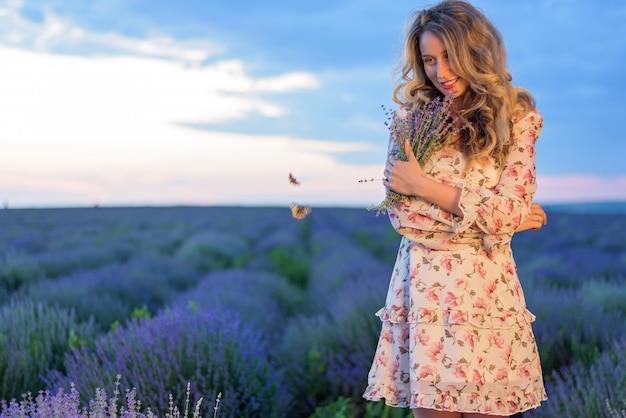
(443, 69)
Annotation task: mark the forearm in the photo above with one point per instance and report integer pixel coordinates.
(445, 196)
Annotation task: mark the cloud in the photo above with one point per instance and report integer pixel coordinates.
(580, 188)
(108, 128)
(55, 33)
(200, 167)
(70, 95)
(230, 76)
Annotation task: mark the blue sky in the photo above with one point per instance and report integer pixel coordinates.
(133, 102)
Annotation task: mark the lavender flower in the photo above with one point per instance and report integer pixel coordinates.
(216, 352)
(426, 127)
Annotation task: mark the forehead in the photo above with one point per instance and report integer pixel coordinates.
(430, 44)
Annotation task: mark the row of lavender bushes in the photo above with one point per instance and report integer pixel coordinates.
(273, 313)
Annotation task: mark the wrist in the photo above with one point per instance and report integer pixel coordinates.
(419, 185)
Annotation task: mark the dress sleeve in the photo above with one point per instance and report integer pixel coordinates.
(497, 209)
(502, 208)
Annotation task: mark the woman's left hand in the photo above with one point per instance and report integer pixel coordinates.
(536, 220)
(402, 176)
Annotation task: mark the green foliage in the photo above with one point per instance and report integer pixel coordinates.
(380, 410)
(345, 408)
(33, 339)
(303, 353)
(74, 341)
(137, 313)
(328, 356)
(142, 312)
(4, 295)
(294, 267)
(341, 408)
(562, 348)
(380, 248)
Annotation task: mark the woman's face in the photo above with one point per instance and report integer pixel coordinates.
(437, 67)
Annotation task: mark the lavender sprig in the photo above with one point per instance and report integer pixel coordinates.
(427, 128)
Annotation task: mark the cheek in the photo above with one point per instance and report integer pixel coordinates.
(431, 73)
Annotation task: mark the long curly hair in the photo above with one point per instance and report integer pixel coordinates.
(476, 53)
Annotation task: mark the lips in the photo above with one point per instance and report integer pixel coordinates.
(449, 84)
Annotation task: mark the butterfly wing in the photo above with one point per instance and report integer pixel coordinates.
(293, 180)
(299, 211)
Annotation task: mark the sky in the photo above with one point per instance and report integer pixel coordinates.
(209, 102)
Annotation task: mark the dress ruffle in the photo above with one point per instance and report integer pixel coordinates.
(505, 404)
(507, 320)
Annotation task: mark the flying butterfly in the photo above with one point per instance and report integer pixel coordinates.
(293, 180)
(299, 211)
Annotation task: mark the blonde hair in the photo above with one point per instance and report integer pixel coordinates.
(476, 53)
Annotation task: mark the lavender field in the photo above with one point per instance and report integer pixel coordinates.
(274, 313)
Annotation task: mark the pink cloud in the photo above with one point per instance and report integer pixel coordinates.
(580, 188)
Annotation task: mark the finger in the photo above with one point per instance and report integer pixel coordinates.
(538, 222)
(537, 211)
(408, 150)
(541, 216)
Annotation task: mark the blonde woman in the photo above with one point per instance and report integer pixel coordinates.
(456, 337)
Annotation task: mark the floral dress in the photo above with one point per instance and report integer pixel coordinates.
(456, 334)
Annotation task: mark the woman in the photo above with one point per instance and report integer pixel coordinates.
(456, 338)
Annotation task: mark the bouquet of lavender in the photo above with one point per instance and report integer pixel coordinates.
(426, 127)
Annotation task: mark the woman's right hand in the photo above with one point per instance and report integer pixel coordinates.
(536, 220)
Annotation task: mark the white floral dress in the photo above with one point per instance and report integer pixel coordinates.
(456, 334)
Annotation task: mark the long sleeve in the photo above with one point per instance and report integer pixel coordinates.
(501, 209)
(493, 202)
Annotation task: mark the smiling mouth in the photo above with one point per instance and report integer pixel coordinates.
(448, 84)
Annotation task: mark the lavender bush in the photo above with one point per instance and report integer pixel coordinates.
(214, 352)
(260, 298)
(373, 233)
(571, 250)
(597, 391)
(609, 295)
(109, 294)
(34, 337)
(338, 261)
(85, 256)
(328, 355)
(285, 251)
(18, 270)
(81, 292)
(309, 288)
(211, 250)
(575, 329)
(289, 235)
